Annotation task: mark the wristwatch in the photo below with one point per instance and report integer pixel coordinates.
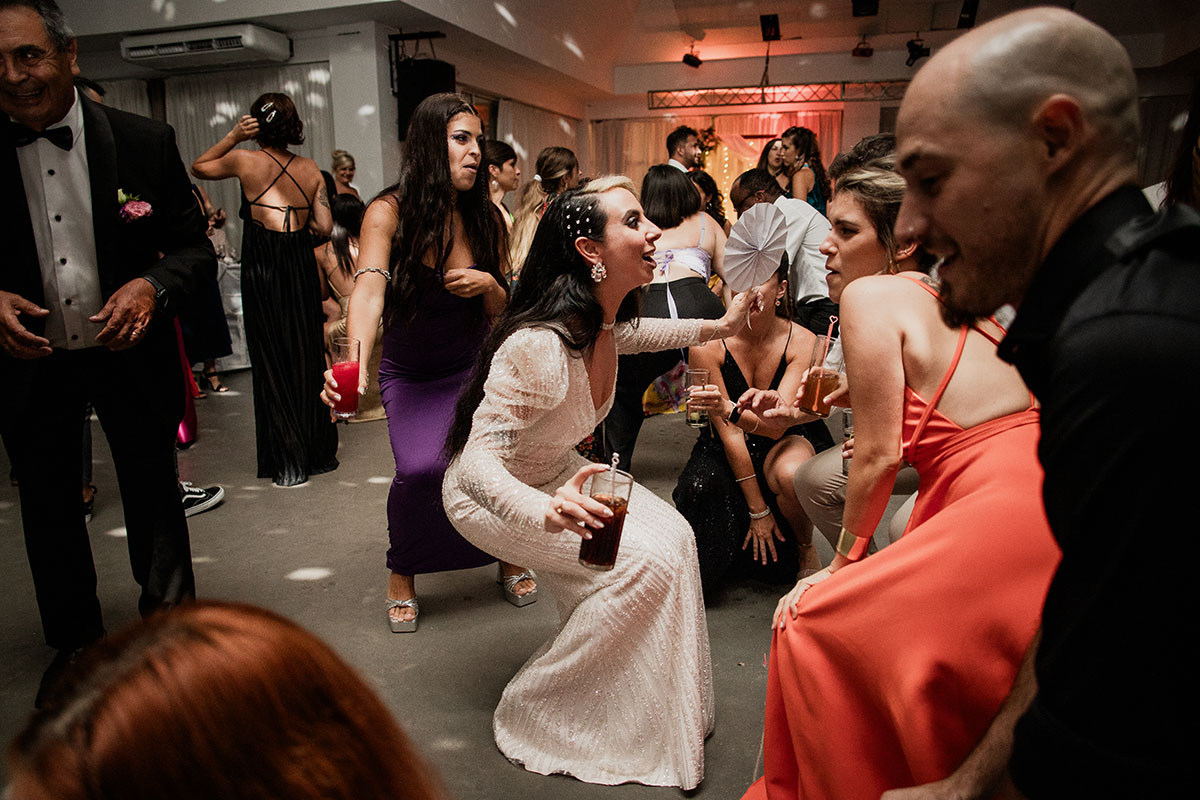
(734, 415)
(161, 298)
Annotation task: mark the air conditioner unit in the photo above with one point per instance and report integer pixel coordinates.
(206, 47)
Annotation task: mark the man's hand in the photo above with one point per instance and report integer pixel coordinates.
(14, 338)
(126, 315)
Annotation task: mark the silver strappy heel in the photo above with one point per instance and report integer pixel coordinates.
(508, 586)
(403, 625)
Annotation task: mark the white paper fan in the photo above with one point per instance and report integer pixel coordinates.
(756, 246)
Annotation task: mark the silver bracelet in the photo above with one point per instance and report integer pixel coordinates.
(386, 275)
(766, 512)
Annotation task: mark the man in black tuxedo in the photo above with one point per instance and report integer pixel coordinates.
(87, 287)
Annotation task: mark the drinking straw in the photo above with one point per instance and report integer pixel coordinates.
(612, 476)
(828, 335)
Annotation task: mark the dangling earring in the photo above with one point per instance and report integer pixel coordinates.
(777, 302)
(599, 271)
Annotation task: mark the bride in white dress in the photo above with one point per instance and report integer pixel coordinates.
(623, 691)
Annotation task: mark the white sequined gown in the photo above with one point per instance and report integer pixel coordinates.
(623, 691)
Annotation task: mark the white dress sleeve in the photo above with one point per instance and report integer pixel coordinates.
(651, 334)
(527, 380)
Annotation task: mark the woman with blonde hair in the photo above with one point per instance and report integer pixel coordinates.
(557, 171)
(215, 700)
(343, 173)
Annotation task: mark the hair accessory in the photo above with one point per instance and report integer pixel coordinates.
(387, 275)
(599, 271)
(608, 326)
(537, 178)
(263, 110)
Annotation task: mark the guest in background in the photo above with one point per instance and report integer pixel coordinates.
(683, 148)
(216, 700)
(431, 265)
(771, 159)
(557, 171)
(806, 229)
(281, 290)
(338, 261)
(690, 251)
(1183, 181)
(111, 343)
(504, 175)
(202, 322)
(802, 162)
(736, 488)
(343, 173)
(711, 198)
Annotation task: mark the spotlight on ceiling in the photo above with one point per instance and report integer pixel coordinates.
(916, 51)
(862, 50)
(691, 59)
(865, 8)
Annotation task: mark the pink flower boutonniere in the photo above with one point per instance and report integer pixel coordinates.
(131, 207)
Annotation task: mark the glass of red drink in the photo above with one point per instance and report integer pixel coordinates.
(821, 379)
(345, 373)
(611, 488)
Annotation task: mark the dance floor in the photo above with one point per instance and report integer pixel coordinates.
(315, 553)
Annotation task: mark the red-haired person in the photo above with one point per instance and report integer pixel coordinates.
(216, 700)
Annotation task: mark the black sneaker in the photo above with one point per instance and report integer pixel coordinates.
(197, 500)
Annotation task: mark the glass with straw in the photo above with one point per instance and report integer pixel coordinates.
(822, 376)
(611, 488)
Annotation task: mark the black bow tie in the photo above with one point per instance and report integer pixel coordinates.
(61, 137)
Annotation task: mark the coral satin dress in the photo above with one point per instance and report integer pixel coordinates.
(897, 664)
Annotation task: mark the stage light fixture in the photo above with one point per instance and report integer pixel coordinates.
(862, 50)
(966, 17)
(770, 27)
(916, 51)
(692, 60)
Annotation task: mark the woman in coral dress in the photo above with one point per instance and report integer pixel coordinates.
(623, 690)
(885, 672)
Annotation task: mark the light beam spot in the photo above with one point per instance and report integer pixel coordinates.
(203, 559)
(506, 14)
(569, 42)
(316, 99)
(818, 11)
(291, 87)
(5, 505)
(521, 152)
(568, 129)
(319, 75)
(450, 745)
(366, 111)
(251, 488)
(1178, 122)
(348, 484)
(276, 531)
(169, 11)
(309, 574)
(379, 480)
(116, 533)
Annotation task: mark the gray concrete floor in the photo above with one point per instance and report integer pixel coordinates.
(316, 555)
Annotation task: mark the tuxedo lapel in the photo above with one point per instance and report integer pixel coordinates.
(102, 169)
(21, 272)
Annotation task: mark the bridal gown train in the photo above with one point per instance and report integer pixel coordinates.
(623, 690)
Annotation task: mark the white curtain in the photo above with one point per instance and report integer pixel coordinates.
(202, 109)
(529, 130)
(631, 146)
(127, 95)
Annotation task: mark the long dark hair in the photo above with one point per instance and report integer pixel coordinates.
(425, 199)
(805, 142)
(555, 291)
(668, 197)
(347, 213)
(715, 207)
(765, 156)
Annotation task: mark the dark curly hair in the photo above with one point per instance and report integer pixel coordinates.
(278, 123)
(425, 200)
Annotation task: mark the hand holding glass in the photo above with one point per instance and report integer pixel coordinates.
(821, 378)
(611, 488)
(696, 417)
(345, 372)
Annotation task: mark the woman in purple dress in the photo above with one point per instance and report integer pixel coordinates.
(430, 264)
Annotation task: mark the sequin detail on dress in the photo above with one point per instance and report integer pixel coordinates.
(623, 690)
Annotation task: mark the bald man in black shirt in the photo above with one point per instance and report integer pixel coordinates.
(1019, 145)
